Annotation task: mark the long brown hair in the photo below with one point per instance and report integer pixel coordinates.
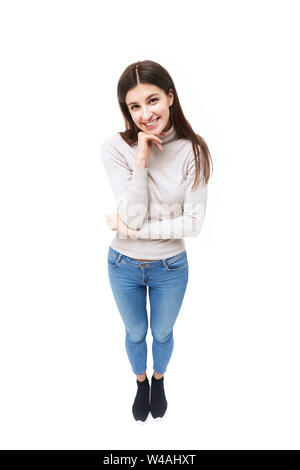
(147, 71)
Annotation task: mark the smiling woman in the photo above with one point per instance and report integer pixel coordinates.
(149, 107)
(158, 169)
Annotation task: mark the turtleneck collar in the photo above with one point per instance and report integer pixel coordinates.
(169, 136)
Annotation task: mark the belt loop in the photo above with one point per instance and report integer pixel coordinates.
(118, 258)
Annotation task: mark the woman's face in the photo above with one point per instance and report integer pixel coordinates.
(147, 103)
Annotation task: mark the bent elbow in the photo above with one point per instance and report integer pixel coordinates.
(133, 221)
(135, 225)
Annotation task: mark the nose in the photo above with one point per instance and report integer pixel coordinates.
(146, 114)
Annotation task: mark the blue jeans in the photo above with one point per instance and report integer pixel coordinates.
(167, 280)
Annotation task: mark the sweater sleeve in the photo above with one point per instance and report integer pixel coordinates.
(129, 187)
(190, 223)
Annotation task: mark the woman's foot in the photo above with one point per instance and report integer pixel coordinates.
(158, 402)
(141, 407)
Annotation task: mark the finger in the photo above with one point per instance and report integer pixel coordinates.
(157, 141)
(153, 137)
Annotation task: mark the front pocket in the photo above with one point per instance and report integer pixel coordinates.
(112, 261)
(177, 262)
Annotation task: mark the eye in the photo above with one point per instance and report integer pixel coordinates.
(155, 99)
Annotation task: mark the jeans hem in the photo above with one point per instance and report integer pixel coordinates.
(140, 373)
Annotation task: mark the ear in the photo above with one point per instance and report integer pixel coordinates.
(171, 97)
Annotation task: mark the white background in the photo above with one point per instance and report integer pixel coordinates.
(233, 379)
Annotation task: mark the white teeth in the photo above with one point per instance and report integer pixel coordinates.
(151, 123)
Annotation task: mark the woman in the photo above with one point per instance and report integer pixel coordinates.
(158, 169)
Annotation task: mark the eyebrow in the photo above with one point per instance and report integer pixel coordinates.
(134, 102)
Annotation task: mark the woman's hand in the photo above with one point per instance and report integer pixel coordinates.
(145, 144)
(115, 223)
(112, 220)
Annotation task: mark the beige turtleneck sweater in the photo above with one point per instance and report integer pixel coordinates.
(157, 200)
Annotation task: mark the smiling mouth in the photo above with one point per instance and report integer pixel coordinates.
(151, 123)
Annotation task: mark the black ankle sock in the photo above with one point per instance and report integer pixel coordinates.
(140, 407)
(158, 402)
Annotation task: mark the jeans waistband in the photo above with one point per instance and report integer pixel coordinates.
(119, 255)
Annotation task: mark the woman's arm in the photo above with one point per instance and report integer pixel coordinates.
(130, 190)
(187, 225)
